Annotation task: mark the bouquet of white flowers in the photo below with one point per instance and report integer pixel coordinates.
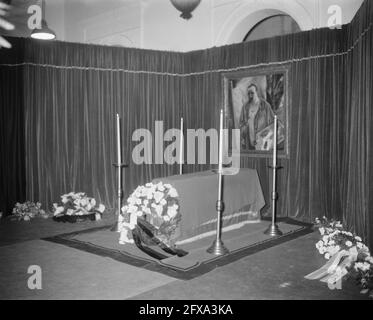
(158, 205)
(28, 210)
(77, 206)
(357, 262)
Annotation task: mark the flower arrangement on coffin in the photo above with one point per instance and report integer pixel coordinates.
(77, 207)
(157, 205)
(28, 210)
(351, 257)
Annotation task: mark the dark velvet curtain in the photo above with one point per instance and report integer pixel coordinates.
(357, 158)
(12, 143)
(310, 179)
(70, 113)
(72, 92)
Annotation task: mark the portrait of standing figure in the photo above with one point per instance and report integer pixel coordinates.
(251, 103)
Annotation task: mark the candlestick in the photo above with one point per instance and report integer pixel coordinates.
(181, 145)
(273, 230)
(119, 160)
(221, 141)
(275, 142)
(119, 166)
(217, 248)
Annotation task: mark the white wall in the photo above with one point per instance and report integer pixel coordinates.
(220, 22)
(156, 24)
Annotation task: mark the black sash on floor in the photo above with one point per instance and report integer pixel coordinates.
(146, 227)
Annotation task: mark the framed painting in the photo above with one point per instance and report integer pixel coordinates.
(252, 98)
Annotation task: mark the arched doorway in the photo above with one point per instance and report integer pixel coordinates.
(244, 18)
(272, 26)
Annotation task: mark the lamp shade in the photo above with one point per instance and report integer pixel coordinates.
(44, 33)
(186, 7)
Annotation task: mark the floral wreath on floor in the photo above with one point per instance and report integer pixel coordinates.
(28, 210)
(347, 254)
(153, 204)
(77, 206)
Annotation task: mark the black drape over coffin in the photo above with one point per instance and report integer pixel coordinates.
(58, 102)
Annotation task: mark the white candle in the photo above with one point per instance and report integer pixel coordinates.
(119, 160)
(181, 145)
(221, 142)
(275, 142)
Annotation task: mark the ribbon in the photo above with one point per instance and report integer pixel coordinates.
(334, 270)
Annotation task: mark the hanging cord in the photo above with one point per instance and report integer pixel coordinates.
(200, 72)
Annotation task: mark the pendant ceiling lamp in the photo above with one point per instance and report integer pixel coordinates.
(186, 7)
(44, 32)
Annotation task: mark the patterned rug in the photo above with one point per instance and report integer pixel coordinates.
(241, 242)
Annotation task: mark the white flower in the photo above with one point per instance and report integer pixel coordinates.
(322, 231)
(93, 202)
(325, 239)
(158, 210)
(327, 256)
(132, 209)
(123, 239)
(349, 244)
(146, 210)
(131, 200)
(133, 221)
(166, 218)
(139, 213)
(101, 208)
(70, 212)
(59, 210)
(163, 202)
(158, 196)
(353, 251)
(358, 239)
(319, 244)
(359, 245)
(172, 211)
(173, 193)
(84, 202)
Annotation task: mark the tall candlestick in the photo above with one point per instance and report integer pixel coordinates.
(217, 248)
(221, 141)
(273, 230)
(119, 160)
(119, 166)
(275, 142)
(181, 145)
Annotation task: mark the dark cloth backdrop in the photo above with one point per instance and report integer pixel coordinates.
(66, 104)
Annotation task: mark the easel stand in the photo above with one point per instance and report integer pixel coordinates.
(119, 167)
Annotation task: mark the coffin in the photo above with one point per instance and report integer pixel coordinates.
(242, 196)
